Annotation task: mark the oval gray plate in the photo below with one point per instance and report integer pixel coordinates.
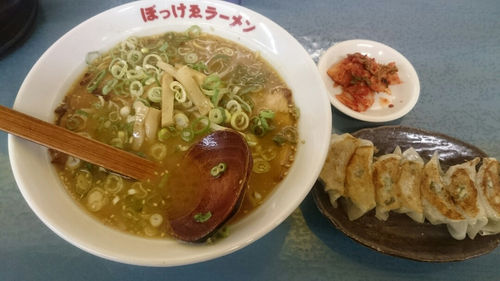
(399, 235)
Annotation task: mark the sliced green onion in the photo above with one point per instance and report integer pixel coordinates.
(155, 220)
(264, 124)
(108, 86)
(163, 181)
(95, 199)
(222, 166)
(148, 80)
(202, 217)
(260, 166)
(136, 74)
(91, 57)
(82, 112)
(83, 181)
(218, 63)
(199, 66)
(154, 94)
(251, 139)
(95, 82)
(233, 106)
(244, 105)
(163, 134)
(136, 89)
(119, 89)
(144, 101)
(216, 97)
(211, 82)
(182, 51)
(260, 125)
(223, 232)
(210, 93)
(239, 120)
(125, 111)
(163, 47)
(179, 91)
(76, 122)
(268, 154)
(226, 51)
(191, 58)
(194, 31)
(72, 162)
(228, 116)
(279, 139)
(218, 169)
(130, 43)
(217, 115)
(214, 171)
(187, 134)
(146, 64)
(288, 134)
(118, 68)
(256, 127)
(114, 116)
(252, 89)
(266, 113)
(113, 183)
(200, 125)
(181, 120)
(134, 57)
(158, 151)
(100, 103)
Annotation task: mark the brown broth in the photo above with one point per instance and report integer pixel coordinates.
(129, 206)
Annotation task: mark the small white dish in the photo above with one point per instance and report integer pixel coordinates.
(403, 96)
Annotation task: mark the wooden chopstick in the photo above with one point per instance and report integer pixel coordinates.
(66, 141)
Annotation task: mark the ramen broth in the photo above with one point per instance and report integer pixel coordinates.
(119, 98)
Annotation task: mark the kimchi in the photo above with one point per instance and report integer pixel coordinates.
(361, 77)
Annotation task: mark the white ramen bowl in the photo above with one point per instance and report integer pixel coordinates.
(52, 75)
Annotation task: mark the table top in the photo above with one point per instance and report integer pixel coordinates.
(455, 49)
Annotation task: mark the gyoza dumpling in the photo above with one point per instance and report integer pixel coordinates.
(436, 202)
(408, 185)
(333, 173)
(488, 185)
(385, 176)
(460, 184)
(359, 189)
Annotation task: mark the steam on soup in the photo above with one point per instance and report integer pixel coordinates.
(156, 96)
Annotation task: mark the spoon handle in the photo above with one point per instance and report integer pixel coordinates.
(66, 141)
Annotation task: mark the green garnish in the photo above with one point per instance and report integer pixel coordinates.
(217, 115)
(199, 66)
(163, 134)
(218, 169)
(154, 94)
(202, 217)
(96, 81)
(260, 124)
(266, 113)
(187, 134)
(82, 112)
(212, 82)
(288, 134)
(200, 125)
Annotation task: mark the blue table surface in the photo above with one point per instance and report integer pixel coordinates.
(454, 46)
